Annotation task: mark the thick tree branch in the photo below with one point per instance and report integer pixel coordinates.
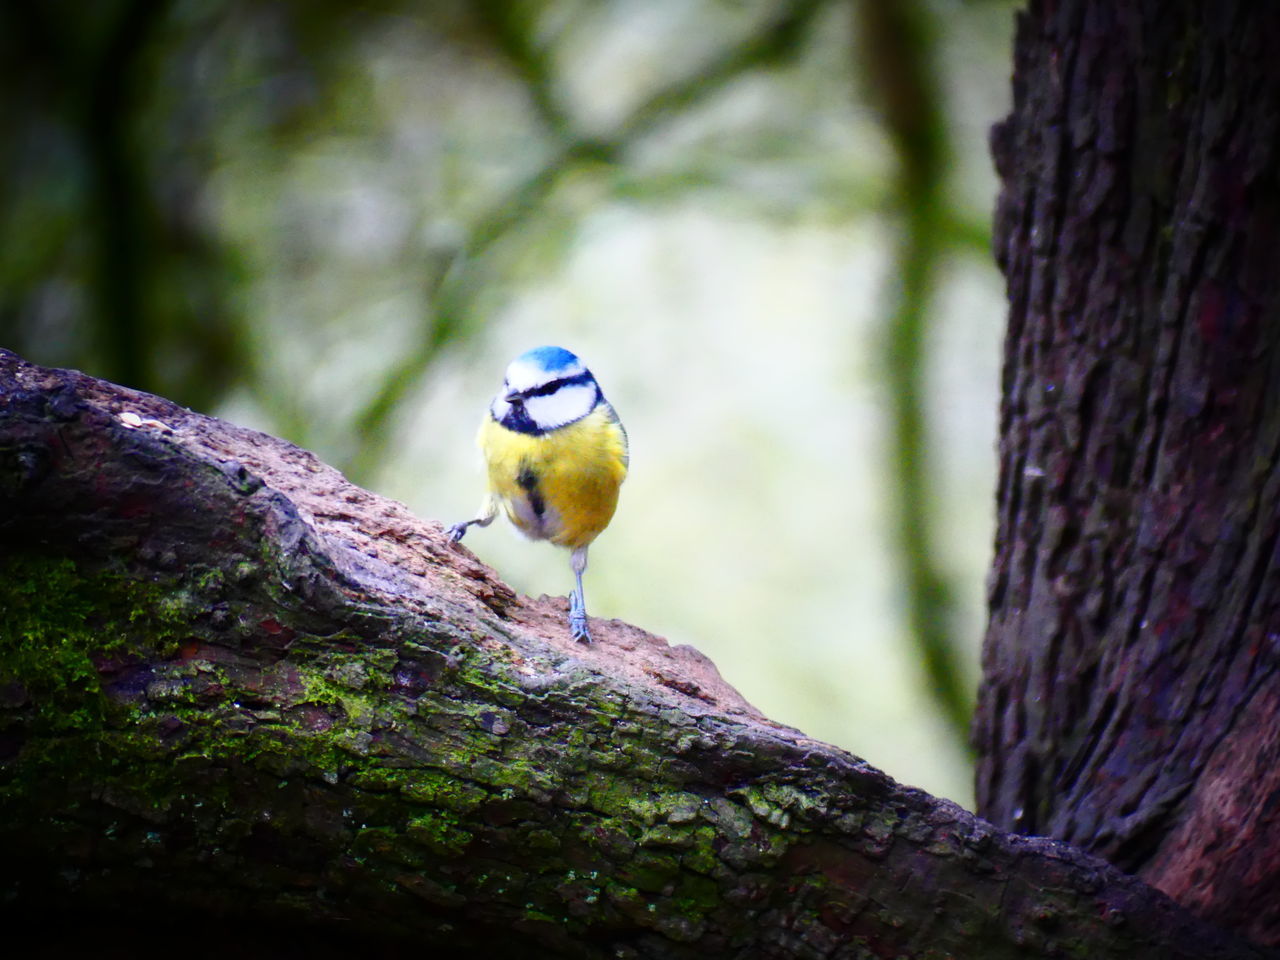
(236, 684)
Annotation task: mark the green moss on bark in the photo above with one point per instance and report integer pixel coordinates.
(155, 712)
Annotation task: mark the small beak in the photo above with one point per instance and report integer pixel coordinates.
(514, 397)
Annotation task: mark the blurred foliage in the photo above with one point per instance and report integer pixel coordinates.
(165, 158)
(898, 51)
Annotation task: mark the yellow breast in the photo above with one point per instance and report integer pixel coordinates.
(562, 485)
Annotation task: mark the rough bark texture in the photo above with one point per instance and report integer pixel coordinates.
(1131, 703)
(233, 684)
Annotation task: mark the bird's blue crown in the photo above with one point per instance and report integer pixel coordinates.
(550, 358)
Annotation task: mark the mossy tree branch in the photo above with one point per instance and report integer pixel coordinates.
(234, 684)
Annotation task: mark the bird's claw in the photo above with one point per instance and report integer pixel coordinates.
(456, 532)
(578, 620)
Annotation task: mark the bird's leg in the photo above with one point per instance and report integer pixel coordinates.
(484, 517)
(577, 602)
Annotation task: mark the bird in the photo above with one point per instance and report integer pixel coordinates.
(556, 455)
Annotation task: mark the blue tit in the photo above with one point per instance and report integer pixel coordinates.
(556, 455)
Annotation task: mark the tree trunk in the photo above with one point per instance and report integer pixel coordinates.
(235, 685)
(1130, 703)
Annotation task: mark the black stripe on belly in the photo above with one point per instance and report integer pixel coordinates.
(528, 481)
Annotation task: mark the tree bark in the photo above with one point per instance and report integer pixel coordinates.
(1130, 703)
(235, 685)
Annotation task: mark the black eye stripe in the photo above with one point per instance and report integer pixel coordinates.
(546, 389)
(514, 416)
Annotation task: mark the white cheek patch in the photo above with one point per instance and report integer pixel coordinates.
(564, 406)
(525, 376)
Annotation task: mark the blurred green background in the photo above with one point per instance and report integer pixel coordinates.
(764, 225)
